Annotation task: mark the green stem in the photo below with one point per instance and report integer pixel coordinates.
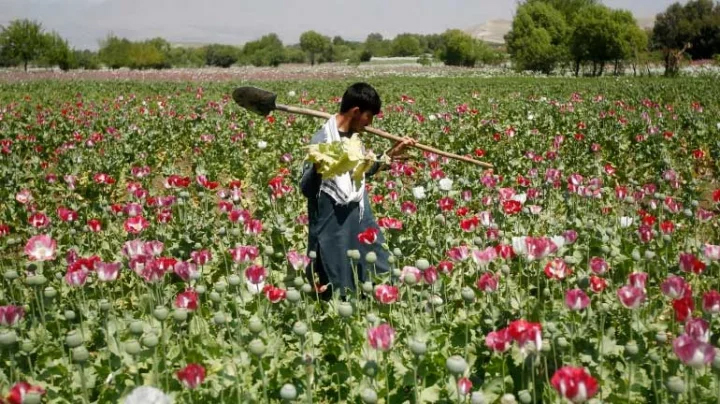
(387, 378)
(264, 380)
(415, 380)
(83, 384)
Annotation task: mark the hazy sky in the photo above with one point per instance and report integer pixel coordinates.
(85, 22)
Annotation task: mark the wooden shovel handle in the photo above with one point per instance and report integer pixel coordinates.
(382, 133)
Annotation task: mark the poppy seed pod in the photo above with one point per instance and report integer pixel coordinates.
(300, 329)
(104, 305)
(161, 313)
(368, 396)
(676, 385)
(132, 347)
(255, 325)
(219, 318)
(137, 327)
(150, 340)
(220, 286)
(293, 295)
(73, 339)
(631, 348)
(468, 294)
(7, 337)
(367, 287)
(345, 309)
(180, 315)
(234, 280)
(80, 354)
(50, 292)
(215, 297)
(508, 398)
(456, 365)
(418, 347)
(288, 392)
(10, 275)
(257, 347)
(422, 264)
(477, 397)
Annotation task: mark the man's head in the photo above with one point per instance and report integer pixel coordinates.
(360, 104)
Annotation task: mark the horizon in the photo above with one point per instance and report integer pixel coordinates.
(84, 23)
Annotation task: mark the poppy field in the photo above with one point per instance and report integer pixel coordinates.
(154, 234)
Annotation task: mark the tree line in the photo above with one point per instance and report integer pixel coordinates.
(577, 34)
(25, 42)
(546, 35)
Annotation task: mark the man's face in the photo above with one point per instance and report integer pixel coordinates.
(360, 120)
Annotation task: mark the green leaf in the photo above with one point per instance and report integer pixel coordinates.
(430, 394)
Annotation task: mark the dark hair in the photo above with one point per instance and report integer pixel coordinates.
(361, 95)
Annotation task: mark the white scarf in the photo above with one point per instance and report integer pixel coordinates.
(342, 187)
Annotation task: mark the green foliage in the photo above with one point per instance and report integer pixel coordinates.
(693, 28)
(57, 52)
(85, 59)
(187, 57)
(365, 55)
(115, 52)
(266, 51)
(461, 49)
(314, 43)
(22, 41)
(568, 8)
(597, 37)
(405, 45)
(537, 40)
(377, 46)
(221, 55)
(293, 54)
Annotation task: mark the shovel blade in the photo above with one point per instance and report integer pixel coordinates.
(254, 99)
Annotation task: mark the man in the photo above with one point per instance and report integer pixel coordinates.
(338, 209)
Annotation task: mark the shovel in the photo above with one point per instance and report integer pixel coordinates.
(262, 102)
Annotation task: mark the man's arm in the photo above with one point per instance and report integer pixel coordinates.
(310, 181)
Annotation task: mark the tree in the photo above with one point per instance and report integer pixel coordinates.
(405, 45)
(313, 43)
(459, 49)
(538, 38)
(144, 55)
(56, 52)
(568, 8)
(221, 55)
(266, 51)
(86, 59)
(377, 45)
(22, 41)
(693, 28)
(596, 37)
(115, 52)
(633, 39)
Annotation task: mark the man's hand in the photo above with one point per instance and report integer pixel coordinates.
(397, 151)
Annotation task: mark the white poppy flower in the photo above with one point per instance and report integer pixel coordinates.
(446, 184)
